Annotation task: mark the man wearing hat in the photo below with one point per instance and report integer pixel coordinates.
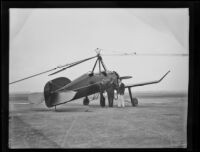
(121, 90)
(110, 93)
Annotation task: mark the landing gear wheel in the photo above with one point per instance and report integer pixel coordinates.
(102, 101)
(134, 102)
(86, 101)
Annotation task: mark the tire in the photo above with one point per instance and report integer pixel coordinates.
(102, 101)
(86, 101)
(134, 102)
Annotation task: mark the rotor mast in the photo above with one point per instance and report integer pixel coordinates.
(100, 61)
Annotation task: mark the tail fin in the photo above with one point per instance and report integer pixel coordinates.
(50, 87)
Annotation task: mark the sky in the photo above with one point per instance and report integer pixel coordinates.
(42, 39)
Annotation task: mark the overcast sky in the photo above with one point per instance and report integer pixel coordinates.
(41, 39)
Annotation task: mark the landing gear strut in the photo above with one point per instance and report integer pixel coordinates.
(134, 101)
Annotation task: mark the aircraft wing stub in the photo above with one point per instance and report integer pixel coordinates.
(147, 83)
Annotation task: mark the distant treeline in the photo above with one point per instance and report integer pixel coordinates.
(19, 96)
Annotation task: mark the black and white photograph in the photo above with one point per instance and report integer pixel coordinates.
(98, 78)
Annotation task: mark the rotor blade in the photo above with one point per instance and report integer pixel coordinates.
(69, 65)
(73, 64)
(57, 71)
(65, 67)
(145, 54)
(33, 75)
(160, 54)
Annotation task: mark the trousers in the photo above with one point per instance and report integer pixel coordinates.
(121, 102)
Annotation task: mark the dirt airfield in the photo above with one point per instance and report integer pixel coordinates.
(157, 122)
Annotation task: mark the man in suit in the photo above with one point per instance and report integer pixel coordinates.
(121, 90)
(110, 93)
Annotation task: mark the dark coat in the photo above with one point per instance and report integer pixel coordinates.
(110, 91)
(121, 89)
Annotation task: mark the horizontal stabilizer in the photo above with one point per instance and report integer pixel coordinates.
(61, 97)
(35, 98)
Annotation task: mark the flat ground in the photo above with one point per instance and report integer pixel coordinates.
(155, 123)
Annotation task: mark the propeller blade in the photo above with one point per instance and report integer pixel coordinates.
(125, 77)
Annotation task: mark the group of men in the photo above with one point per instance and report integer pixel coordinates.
(120, 91)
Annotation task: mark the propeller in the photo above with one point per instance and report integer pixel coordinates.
(125, 77)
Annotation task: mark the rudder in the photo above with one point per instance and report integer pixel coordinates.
(51, 86)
